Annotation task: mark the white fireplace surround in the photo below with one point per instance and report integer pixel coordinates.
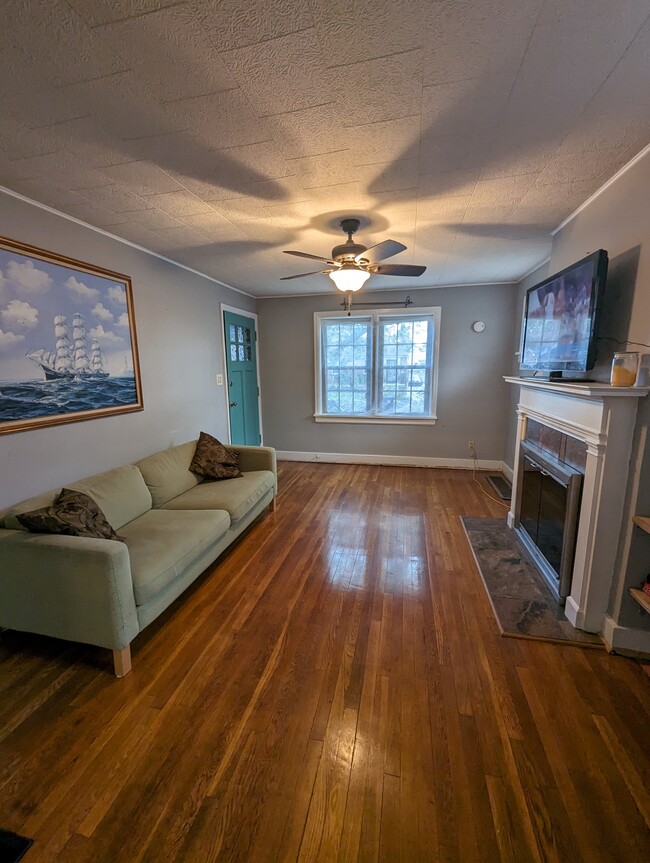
(603, 417)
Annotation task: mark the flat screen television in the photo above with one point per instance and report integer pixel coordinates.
(561, 319)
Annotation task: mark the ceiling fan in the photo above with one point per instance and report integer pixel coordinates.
(352, 264)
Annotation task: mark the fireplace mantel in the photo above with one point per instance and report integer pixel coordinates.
(603, 417)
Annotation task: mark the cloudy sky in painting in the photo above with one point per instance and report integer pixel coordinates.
(33, 292)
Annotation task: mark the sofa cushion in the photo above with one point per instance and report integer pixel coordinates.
(167, 473)
(162, 544)
(213, 460)
(237, 496)
(121, 494)
(73, 513)
(38, 502)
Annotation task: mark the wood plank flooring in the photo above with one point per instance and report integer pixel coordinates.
(334, 689)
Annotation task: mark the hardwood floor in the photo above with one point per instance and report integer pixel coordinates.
(334, 690)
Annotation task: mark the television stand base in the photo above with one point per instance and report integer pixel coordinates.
(558, 378)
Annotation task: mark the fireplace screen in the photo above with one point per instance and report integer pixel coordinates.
(548, 516)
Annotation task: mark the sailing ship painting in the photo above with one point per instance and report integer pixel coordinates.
(70, 361)
(67, 340)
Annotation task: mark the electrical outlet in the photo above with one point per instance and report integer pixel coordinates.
(470, 445)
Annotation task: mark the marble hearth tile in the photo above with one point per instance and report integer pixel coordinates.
(522, 603)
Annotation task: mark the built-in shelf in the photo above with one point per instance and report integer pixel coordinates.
(642, 598)
(642, 521)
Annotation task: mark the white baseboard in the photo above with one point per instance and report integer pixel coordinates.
(506, 470)
(573, 613)
(624, 639)
(403, 460)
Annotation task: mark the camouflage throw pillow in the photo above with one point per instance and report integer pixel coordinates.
(73, 513)
(214, 460)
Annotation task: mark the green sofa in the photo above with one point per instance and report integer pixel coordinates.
(104, 592)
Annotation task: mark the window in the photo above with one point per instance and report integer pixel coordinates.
(376, 366)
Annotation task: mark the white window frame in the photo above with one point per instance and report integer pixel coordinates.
(374, 314)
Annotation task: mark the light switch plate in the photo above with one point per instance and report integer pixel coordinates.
(219, 380)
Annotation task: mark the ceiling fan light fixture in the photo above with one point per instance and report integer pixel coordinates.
(349, 278)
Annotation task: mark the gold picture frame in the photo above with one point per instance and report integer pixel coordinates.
(68, 343)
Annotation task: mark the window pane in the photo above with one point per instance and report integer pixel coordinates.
(390, 355)
(347, 402)
(360, 402)
(403, 404)
(360, 334)
(420, 331)
(231, 330)
(346, 356)
(233, 353)
(242, 356)
(347, 383)
(388, 403)
(419, 355)
(331, 334)
(347, 331)
(417, 379)
(405, 332)
(390, 334)
(405, 349)
(417, 402)
(346, 379)
(333, 403)
(360, 355)
(404, 355)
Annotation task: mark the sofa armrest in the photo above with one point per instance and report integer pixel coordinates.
(69, 587)
(256, 458)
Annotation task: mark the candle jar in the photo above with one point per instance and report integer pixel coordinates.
(624, 367)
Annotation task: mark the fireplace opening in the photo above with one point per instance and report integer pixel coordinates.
(547, 518)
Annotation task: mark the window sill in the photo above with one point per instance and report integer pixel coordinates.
(374, 420)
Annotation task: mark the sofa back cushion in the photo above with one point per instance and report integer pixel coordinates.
(121, 494)
(47, 498)
(167, 473)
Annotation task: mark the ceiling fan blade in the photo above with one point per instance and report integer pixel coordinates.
(396, 269)
(311, 257)
(300, 275)
(381, 251)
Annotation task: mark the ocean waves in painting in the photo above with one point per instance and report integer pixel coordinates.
(22, 400)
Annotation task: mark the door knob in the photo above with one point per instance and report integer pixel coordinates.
(233, 404)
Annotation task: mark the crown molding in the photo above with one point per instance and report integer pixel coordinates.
(604, 187)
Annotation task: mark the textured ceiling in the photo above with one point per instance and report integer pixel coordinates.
(219, 132)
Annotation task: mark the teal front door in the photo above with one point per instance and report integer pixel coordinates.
(241, 368)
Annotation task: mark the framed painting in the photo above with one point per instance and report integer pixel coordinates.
(68, 347)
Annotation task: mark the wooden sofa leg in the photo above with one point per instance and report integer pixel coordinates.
(122, 661)
(273, 505)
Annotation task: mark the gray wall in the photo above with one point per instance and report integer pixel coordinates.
(537, 275)
(179, 339)
(472, 397)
